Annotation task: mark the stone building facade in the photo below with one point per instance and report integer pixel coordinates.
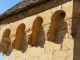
(41, 30)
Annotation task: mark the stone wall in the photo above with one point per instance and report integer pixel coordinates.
(76, 29)
(31, 11)
(61, 49)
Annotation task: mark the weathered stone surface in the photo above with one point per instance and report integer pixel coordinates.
(76, 9)
(46, 57)
(68, 8)
(61, 55)
(50, 47)
(46, 15)
(76, 49)
(47, 50)
(75, 29)
(29, 21)
(69, 54)
(67, 44)
(78, 30)
(55, 9)
(34, 52)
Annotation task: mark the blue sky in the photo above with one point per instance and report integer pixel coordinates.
(1, 57)
(5, 5)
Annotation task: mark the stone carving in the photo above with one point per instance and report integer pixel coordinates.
(58, 15)
(19, 36)
(4, 44)
(35, 31)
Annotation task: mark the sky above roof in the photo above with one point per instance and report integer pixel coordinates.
(5, 5)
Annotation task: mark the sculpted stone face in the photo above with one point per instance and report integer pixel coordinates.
(19, 36)
(58, 15)
(4, 44)
(35, 31)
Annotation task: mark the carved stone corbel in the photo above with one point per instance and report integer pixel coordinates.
(4, 44)
(19, 36)
(58, 15)
(35, 31)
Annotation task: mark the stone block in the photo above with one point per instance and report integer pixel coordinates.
(59, 55)
(33, 52)
(34, 58)
(46, 26)
(46, 57)
(76, 49)
(52, 10)
(67, 44)
(3, 28)
(13, 30)
(68, 8)
(70, 54)
(50, 47)
(46, 15)
(28, 21)
(76, 9)
(12, 55)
